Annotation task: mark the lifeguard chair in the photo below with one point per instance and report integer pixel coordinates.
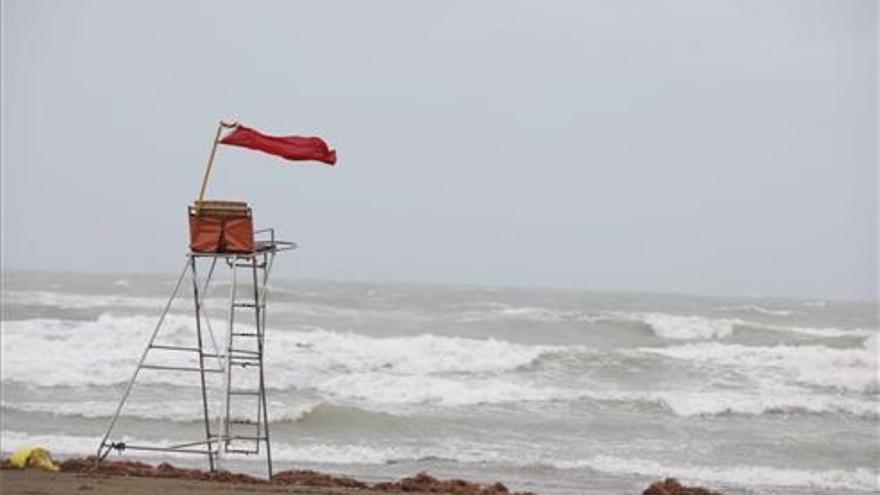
(222, 231)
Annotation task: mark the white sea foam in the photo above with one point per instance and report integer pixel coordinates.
(665, 325)
(51, 352)
(10, 440)
(692, 327)
(759, 309)
(861, 479)
(332, 311)
(321, 453)
(378, 373)
(502, 311)
(382, 389)
(688, 327)
(323, 351)
(713, 403)
(182, 409)
(66, 300)
(395, 395)
(847, 369)
(79, 445)
(168, 410)
(815, 304)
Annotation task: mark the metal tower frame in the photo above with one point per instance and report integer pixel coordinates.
(226, 437)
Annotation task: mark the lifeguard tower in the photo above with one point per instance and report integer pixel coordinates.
(222, 237)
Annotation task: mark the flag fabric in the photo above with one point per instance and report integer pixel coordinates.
(288, 147)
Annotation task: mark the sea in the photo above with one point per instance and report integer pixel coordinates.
(550, 391)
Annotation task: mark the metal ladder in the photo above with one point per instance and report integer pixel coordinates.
(234, 433)
(244, 351)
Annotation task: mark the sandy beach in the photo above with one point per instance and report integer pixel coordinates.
(46, 483)
(82, 475)
(85, 474)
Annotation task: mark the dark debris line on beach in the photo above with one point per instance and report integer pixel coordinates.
(421, 482)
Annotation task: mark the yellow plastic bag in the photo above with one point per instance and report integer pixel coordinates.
(30, 456)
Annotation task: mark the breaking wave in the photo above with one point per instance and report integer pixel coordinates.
(379, 373)
(183, 409)
(683, 327)
(50, 352)
(846, 370)
(716, 403)
(755, 308)
(663, 325)
(861, 479)
(79, 301)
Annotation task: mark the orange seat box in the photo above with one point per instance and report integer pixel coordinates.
(221, 227)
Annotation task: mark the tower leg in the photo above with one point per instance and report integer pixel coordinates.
(198, 311)
(105, 448)
(262, 293)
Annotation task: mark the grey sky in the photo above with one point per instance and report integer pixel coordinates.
(697, 146)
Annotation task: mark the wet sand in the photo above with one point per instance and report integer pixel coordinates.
(34, 482)
(112, 477)
(85, 475)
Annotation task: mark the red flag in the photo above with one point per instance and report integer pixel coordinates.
(289, 147)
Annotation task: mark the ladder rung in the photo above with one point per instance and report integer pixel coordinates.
(244, 392)
(174, 348)
(181, 348)
(177, 368)
(243, 422)
(246, 357)
(245, 334)
(240, 451)
(244, 305)
(240, 437)
(253, 361)
(243, 351)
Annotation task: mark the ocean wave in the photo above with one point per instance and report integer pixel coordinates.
(664, 325)
(501, 311)
(755, 308)
(692, 327)
(687, 327)
(66, 300)
(319, 350)
(397, 397)
(385, 373)
(393, 374)
(847, 369)
(379, 390)
(385, 392)
(815, 304)
(717, 403)
(859, 479)
(183, 410)
(64, 445)
(49, 352)
(332, 311)
(314, 453)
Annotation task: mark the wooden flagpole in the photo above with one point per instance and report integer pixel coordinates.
(220, 127)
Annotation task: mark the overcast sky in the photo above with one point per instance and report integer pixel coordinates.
(700, 146)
